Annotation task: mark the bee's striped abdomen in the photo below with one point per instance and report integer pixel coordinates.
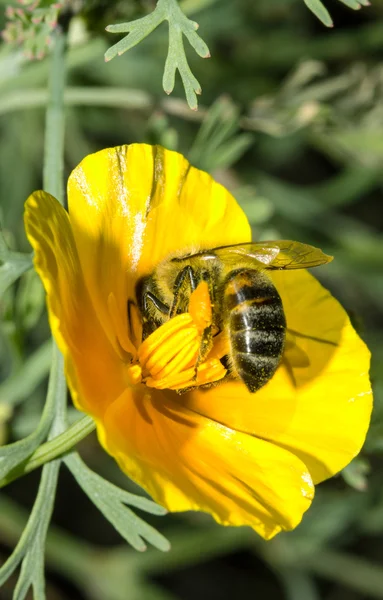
(256, 326)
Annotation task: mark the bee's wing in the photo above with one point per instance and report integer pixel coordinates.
(281, 254)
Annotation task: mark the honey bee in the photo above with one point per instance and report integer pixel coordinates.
(245, 303)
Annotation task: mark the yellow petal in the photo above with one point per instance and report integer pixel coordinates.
(93, 369)
(188, 462)
(319, 408)
(130, 207)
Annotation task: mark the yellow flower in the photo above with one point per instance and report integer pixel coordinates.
(248, 459)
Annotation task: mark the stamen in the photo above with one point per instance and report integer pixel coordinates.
(211, 371)
(134, 375)
(160, 335)
(161, 355)
(183, 359)
(168, 358)
(173, 382)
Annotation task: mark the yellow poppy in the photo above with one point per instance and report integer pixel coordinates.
(248, 459)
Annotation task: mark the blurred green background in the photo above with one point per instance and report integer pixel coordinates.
(291, 121)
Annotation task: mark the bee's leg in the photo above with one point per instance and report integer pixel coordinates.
(186, 280)
(206, 345)
(207, 336)
(154, 313)
(156, 302)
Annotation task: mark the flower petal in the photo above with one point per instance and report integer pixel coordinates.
(188, 462)
(130, 207)
(318, 404)
(95, 376)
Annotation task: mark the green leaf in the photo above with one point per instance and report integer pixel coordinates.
(32, 568)
(217, 143)
(54, 448)
(111, 500)
(137, 30)
(12, 265)
(179, 26)
(355, 474)
(354, 4)
(176, 59)
(320, 11)
(20, 385)
(30, 548)
(31, 542)
(14, 454)
(359, 143)
(30, 300)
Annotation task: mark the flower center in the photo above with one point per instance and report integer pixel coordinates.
(181, 353)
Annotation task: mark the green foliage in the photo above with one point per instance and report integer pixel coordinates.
(12, 265)
(179, 26)
(111, 500)
(16, 453)
(218, 143)
(31, 546)
(356, 474)
(319, 9)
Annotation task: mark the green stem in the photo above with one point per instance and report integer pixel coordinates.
(54, 124)
(53, 168)
(56, 447)
(125, 98)
(30, 548)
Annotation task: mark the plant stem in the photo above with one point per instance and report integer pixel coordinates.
(29, 549)
(120, 97)
(56, 447)
(54, 168)
(54, 123)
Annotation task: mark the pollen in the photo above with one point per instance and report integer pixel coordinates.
(200, 306)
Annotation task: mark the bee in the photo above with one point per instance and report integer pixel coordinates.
(245, 303)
